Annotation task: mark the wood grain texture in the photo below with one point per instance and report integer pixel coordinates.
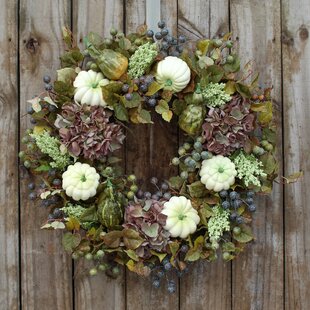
(296, 94)
(258, 273)
(208, 285)
(46, 268)
(9, 260)
(98, 292)
(149, 150)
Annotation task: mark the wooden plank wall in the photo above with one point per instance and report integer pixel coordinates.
(273, 273)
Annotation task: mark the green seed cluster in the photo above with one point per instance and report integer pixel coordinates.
(142, 59)
(249, 169)
(218, 223)
(215, 95)
(51, 146)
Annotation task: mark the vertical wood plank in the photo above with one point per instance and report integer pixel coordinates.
(45, 267)
(207, 286)
(149, 150)
(258, 272)
(99, 292)
(9, 261)
(296, 94)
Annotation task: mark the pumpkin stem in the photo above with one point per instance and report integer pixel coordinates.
(83, 178)
(168, 82)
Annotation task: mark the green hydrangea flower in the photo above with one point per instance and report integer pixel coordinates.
(214, 95)
(72, 210)
(51, 146)
(218, 223)
(249, 169)
(143, 57)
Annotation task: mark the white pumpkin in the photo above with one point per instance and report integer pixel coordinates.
(218, 173)
(173, 73)
(80, 181)
(88, 88)
(182, 218)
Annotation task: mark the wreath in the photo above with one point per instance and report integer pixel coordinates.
(79, 124)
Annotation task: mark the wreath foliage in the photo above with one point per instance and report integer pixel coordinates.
(79, 124)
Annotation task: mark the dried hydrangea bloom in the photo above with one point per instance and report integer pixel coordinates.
(227, 128)
(149, 222)
(86, 131)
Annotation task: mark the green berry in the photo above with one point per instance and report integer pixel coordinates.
(175, 161)
(218, 43)
(89, 256)
(186, 146)
(237, 230)
(229, 44)
(116, 271)
(196, 156)
(134, 188)
(131, 178)
(25, 140)
(199, 139)
(230, 59)
(88, 64)
(99, 254)
(94, 67)
(182, 151)
(198, 146)
(107, 41)
(130, 195)
(93, 271)
(264, 143)
(21, 154)
(184, 175)
(226, 256)
(102, 267)
(75, 255)
(113, 32)
(27, 163)
(30, 146)
(269, 147)
(138, 42)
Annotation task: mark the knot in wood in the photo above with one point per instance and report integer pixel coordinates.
(32, 45)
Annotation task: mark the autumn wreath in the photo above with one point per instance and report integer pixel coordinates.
(227, 157)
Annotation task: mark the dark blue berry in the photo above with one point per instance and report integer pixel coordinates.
(156, 283)
(159, 194)
(43, 185)
(125, 88)
(225, 204)
(250, 194)
(168, 266)
(184, 248)
(46, 203)
(46, 79)
(161, 24)
(48, 87)
(154, 180)
(149, 79)
(223, 194)
(150, 33)
(140, 193)
(182, 39)
(175, 54)
(31, 186)
(128, 97)
(179, 48)
(136, 81)
(171, 287)
(174, 41)
(233, 216)
(52, 172)
(158, 35)
(32, 196)
(164, 186)
(50, 217)
(147, 195)
(57, 213)
(165, 46)
(33, 121)
(249, 201)
(143, 88)
(56, 182)
(252, 208)
(152, 102)
(233, 195)
(30, 110)
(164, 32)
(167, 195)
(239, 220)
(237, 203)
(165, 260)
(155, 197)
(168, 39)
(52, 108)
(160, 273)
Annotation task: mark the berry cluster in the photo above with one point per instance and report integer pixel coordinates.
(169, 45)
(162, 191)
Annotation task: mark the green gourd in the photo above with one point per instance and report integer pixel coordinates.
(112, 64)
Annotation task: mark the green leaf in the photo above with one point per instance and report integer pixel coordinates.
(144, 117)
(230, 87)
(195, 252)
(203, 45)
(66, 75)
(67, 36)
(215, 73)
(71, 58)
(134, 102)
(160, 256)
(124, 44)
(120, 112)
(265, 117)
(113, 238)
(245, 236)
(162, 107)
(176, 182)
(93, 39)
(132, 239)
(89, 215)
(150, 230)
(70, 241)
(243, 90)
(197, 190)
(205, 212)
(234, 66)
(293, 177)
(42, 168)
(132, 254)
(154, 87)
(174, 247)
(229, 247)
(58, 225)
(269, 162)
(178, 106)
(73, 223)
